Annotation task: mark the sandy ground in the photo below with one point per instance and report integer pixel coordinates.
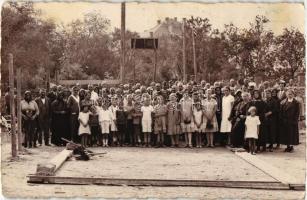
(218, 164)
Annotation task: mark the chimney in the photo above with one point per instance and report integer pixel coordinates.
(159, 21)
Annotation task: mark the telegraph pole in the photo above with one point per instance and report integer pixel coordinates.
(183, 52)
(12, 107)
(122, 43)
(19, 131)
(194, 55)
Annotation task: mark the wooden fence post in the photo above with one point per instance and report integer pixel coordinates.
(12, 106)
(19, 123)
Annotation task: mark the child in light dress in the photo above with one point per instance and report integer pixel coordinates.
(252, 124)
(84, 128)
(114, 131)
(105, 117)
(147, 111)
(198, 123)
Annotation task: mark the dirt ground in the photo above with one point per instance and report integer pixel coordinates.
(210, 164)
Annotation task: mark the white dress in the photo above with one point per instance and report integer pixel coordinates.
(84, 117)
(226, 109)
(251, 124)
(198, 114)
(146, 119)
(113, 110)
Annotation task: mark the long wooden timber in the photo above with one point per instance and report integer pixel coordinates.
(160, 182)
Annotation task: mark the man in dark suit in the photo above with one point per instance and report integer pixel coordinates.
(43, 118)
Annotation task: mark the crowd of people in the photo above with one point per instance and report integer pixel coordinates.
(239, 114)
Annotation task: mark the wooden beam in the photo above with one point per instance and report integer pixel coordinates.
(50, 167)
(156, 182)
(270, 170)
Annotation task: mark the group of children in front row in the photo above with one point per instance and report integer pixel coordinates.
(101, 122)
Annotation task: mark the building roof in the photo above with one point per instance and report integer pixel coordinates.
(170, 26)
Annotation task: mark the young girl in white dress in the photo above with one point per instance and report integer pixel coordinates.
(113, 108)
(105, 118)
(252, 123)
(198, 123)
(84, 128)
(147, 111)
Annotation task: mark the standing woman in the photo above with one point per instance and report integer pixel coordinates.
(218, 97)
(29, 113)
(60, 120)
(271, 118)
(227, 103)
(209, 119)
(186, 105)
(262, 110)
(289, 113)
(173, 119)
(238, 119)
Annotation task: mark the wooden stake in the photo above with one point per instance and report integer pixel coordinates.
(12, 106)
(122, 43)
(184, 52)
(19, 123)
(194, 55)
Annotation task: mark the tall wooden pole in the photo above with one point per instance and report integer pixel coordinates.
(12, 107)
(155, 56)
(194, 56)
(19, 133)
(122, 43)
(184, 52)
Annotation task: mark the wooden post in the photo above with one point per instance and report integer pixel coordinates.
(194, 56)
(12, 106)
(19, 122)
(155, 56)
(122, 37)
(184, 52)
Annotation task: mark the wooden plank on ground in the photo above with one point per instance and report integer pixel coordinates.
(50, 167)
(270, 170)
(156, 182)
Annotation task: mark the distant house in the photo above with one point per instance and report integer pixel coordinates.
(170, 26)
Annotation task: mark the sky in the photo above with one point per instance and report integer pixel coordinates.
(143, 16)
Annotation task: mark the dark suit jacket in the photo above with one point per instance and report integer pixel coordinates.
(44, 110)
(73, 105)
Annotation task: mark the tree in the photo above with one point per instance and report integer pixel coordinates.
(27, 38)
(290, 52)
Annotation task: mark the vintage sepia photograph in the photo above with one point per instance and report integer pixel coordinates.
(152, 100)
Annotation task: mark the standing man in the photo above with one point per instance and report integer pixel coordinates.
(43, 118)
(282, 91)
(73, 104)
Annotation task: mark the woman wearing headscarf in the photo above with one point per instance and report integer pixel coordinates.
(261, 107)
(271, 117)
(289, 115)
(29, 113)
(60, 120)
(238, 116)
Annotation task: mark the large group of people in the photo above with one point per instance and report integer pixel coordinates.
(240, 114)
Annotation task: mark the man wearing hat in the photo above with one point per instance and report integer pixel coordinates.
(43, 118)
